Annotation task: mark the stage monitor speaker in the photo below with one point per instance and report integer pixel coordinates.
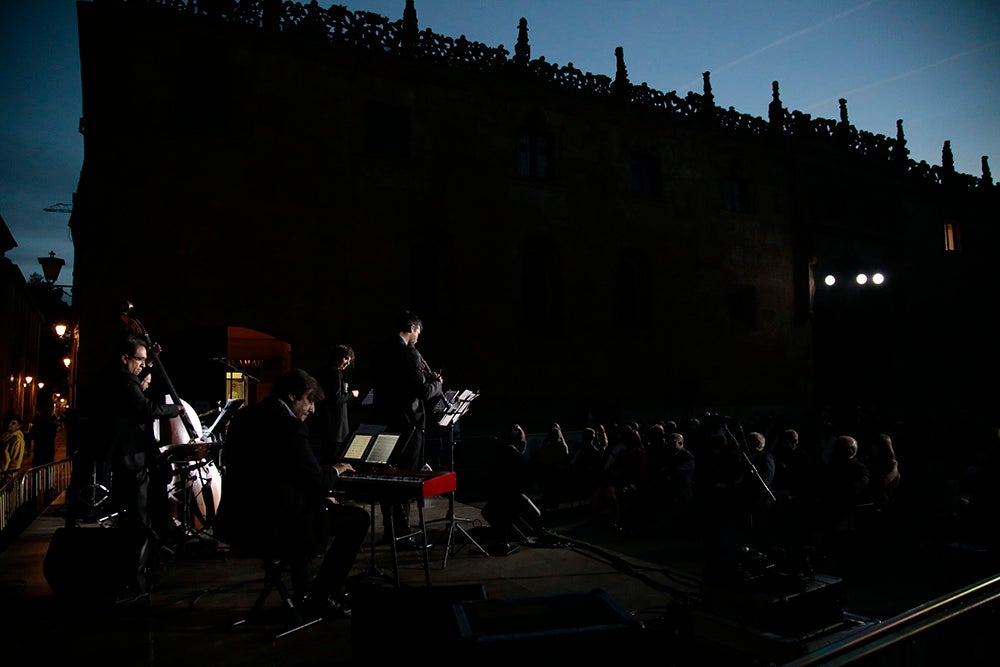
(90, 565)
(787, 605)
(395, 622)
(541, 630)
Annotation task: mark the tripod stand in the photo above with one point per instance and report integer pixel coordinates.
(96, 494)
(456, 405)
(195, 483)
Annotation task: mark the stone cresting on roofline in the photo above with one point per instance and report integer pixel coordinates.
(402, 38)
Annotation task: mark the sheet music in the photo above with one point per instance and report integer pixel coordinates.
(382, 448)
(458, 405)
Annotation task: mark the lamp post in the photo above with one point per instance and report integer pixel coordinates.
(67, 334)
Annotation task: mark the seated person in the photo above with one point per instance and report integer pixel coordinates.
(509, 510)
(276, 496)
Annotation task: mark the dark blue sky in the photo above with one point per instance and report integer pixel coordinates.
(935, 64)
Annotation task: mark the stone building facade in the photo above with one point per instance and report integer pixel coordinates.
(577, 245)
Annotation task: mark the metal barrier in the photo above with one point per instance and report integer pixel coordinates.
(31, 491)
(955, 629)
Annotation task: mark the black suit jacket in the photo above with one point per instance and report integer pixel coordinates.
(329, 425)
(401, 389)
(123, 427)
(274, 489)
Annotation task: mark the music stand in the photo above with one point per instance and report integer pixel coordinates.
(454, 405)
(358, 446)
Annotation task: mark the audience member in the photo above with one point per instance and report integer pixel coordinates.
(548, 464)
(789, 465)
(11, 446)
(719, 484)
(616, 490)
(42, 435)
(979, 494)
(509, 509)
(655, 443)
(883, 471)
(585, 464)
(759, 492)
(842, 486)
(679, 473)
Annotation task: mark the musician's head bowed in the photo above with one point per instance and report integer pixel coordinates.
(299, 390)
(342, 355)
(409, 326)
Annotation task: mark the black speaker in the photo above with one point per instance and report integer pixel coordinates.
(392, 622)
(587, 627)
(91, 565)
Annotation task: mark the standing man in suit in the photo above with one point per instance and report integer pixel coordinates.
(403, 390)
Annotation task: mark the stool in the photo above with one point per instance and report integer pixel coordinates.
(274, 572)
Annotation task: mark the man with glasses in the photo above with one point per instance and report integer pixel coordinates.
(120, 437)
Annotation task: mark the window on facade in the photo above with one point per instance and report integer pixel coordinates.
(644, 175)
(736, 195)
(743, 307)
(632, 290)
(540, 281)
(950, 236)
(534, 155)
(387, 130)
(425, 260)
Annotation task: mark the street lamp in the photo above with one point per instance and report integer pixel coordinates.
(51, 266)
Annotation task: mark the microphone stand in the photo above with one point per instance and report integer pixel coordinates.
(740, 444)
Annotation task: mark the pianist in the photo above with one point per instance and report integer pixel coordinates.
(276, 496)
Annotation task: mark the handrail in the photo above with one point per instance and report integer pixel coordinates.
(913, 636)
(28, 493)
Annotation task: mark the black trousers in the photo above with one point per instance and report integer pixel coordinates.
(348, 528)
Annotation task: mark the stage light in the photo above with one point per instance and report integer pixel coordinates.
(878, 278)
(830, 280)
(861, 279)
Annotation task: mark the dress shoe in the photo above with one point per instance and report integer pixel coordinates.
(410, 543)
(332, 606)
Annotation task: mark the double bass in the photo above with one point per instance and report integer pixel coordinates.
(181, 440)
